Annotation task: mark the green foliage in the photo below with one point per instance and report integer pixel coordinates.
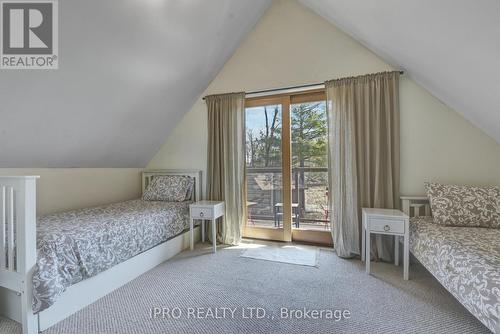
(309, 137)
(309, 134)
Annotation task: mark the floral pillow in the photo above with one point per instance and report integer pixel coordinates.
(454, 205)
(169, 188)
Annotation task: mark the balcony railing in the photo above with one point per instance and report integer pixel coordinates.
(309, 197)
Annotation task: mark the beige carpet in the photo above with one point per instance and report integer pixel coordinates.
(380, 303)
(8, 326)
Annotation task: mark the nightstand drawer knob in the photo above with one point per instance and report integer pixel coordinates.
(387, 228)
(201, 214)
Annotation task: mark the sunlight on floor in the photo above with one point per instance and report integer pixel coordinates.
(245, 245)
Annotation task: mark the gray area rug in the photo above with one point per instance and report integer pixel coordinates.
(379, 303)
(286, 253)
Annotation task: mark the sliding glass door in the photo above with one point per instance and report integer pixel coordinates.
(264, 168)
(286, 168)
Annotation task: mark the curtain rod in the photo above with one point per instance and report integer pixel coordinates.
(290, 87)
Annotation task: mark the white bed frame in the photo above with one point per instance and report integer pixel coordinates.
(18, 211)
(414, 206)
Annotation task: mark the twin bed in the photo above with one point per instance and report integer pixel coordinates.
(46, 263)
(465, 260)
(93, 250)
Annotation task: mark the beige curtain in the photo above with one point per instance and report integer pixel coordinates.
(363, 121)
(226, 161)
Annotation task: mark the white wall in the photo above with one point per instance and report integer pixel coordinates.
(60, 189)
(293, 46)
(438, 144)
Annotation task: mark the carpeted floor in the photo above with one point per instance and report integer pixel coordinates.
(380, 303)
(8, 326)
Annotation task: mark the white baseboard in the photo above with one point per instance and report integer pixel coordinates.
(88, 291)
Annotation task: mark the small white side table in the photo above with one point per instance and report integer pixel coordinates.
(389, 222)
(205, 210)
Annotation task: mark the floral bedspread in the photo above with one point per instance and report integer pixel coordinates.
(466, 261)
(75, 245)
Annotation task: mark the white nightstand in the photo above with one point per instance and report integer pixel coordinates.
(390, 222)
(206, 210)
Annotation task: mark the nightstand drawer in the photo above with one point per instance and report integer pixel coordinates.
(201, 213)
(387, 225)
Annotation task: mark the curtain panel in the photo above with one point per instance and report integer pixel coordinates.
(226, 161)
(363, 122)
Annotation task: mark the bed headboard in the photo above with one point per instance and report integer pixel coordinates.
(412, 205)
(196, 174)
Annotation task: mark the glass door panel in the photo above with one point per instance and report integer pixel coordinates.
(264, 176)
(309, 166)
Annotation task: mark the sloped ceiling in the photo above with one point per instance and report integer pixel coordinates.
(128, 71)
(450, 47)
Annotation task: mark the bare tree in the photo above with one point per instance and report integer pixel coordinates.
(251, 148)
(270, 132)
